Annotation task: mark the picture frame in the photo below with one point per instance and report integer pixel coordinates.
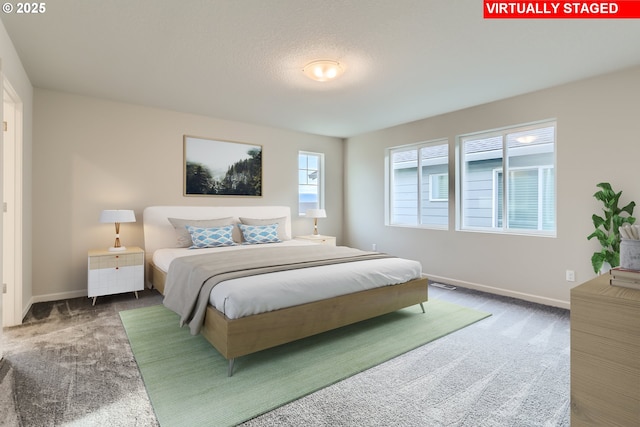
(214, 167)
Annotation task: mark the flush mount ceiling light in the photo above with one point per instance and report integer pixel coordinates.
(323, 70)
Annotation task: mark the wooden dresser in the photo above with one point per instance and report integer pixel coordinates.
(605, 354)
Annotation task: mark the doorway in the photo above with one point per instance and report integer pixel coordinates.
(12, 207)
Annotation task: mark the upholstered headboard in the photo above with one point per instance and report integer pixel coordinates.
(159, 233)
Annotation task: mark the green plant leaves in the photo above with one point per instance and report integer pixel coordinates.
(629, 209)
(597, 260)
(607, 227)
(598, 221)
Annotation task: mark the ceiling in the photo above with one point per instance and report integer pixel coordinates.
(242, 59)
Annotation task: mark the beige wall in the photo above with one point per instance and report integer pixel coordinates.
(598, 139)
(92, 154)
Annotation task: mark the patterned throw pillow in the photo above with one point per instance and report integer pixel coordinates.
(180, 225)
(255, 234)
(282, 224)
(210, 237)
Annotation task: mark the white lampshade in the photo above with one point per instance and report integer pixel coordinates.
(117, 216)
(316, 213)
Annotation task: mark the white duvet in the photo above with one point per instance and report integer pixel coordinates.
(258, 294)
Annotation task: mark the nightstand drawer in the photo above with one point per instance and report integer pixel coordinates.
(106, 281)
(327, 241)
(115, 261)
(115, 272)
(319, 239)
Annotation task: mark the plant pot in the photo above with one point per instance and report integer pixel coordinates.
(605, 268)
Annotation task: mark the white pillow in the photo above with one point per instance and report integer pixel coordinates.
(282, 224)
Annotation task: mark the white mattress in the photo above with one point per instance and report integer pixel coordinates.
(253, 295)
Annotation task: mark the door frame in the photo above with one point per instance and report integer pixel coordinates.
(13, 166)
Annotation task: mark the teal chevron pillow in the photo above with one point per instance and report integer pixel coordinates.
(184, 238)
(210, 237)
(255, 234)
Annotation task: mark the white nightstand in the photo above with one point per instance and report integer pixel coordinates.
(115, 272)
(319, 239)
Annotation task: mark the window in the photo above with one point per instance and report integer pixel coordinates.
(527, 153)
(439, 187)
(418, 185)
(310, 181)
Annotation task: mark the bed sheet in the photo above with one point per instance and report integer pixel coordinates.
(258, 294)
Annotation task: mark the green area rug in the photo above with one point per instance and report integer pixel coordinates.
(187, 382)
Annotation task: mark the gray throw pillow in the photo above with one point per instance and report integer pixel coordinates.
(183, 236)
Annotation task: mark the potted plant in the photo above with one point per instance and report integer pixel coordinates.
(607, 226)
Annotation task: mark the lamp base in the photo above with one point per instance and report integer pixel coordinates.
(118, 249)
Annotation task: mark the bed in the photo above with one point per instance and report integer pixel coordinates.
(338, 286)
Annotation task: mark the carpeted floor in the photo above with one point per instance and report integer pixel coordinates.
(187, 380)
(511, 369)
(71, 365)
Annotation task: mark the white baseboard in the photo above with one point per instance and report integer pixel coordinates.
(58, 296)
(26, 310)
(499, 291)
(464, 284)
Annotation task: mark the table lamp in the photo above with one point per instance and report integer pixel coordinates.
(315, 214)
(117, 216)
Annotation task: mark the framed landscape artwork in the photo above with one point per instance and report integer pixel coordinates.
(221, 168)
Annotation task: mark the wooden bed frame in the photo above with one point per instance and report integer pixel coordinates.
(239, 337)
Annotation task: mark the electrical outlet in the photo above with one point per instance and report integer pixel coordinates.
(374, 247)
(571, 276)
